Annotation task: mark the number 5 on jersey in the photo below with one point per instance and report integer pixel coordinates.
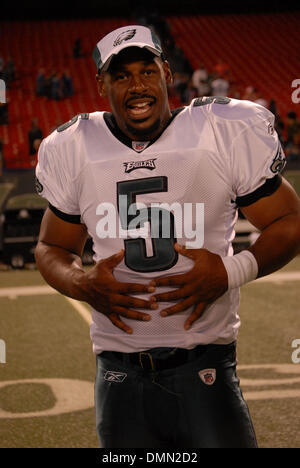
(163, 254)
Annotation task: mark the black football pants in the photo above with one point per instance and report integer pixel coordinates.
(172, 408)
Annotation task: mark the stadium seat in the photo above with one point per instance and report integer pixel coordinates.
(259, 48)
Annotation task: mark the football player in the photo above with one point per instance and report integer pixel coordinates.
(158, 192)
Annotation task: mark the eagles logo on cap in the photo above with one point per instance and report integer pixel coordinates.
(121, 38)
(124, 36)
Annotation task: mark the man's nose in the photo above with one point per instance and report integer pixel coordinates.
(137, 84)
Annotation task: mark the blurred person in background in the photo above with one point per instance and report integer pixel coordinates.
(9, 71)
(34, 133)
(221, 69)
(67, 84)
(219, 86)
(1, 157)
(199, 75)
(1, 67)
(56, 87)
(40, 88)
(259, 99)
(4, 115)
(77, 48)
(293, 128)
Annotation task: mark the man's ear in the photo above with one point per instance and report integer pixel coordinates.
(101, 85)
(167, 72)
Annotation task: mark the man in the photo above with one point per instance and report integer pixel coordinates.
(158, 192)
(34, 133)
(1, 157)
(219, 86)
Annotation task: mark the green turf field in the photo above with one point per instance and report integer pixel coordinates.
(294, 179)
(46, 384)
(5, 188)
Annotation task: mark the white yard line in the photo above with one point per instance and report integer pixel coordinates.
(27, 291)
(13, 293)
(81, 309)
(281, 277)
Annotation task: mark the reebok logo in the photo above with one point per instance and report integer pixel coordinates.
(112, 376)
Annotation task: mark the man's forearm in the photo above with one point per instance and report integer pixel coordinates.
(61, 269)
(278, 244)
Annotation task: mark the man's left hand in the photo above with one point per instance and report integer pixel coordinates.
(200, 286)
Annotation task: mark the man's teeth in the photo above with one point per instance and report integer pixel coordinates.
(140, 108)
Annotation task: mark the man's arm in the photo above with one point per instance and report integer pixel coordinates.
(58, 254)
(58, 257)
(278, 217)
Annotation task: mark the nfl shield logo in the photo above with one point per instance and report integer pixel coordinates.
(208, 376)
(139, 146)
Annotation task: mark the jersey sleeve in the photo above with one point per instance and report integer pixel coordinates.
(257, 159)
(55, 180)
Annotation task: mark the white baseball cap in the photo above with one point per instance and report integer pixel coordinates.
(127, 36)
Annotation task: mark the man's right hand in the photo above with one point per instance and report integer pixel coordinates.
(58, 257)
(111, 297)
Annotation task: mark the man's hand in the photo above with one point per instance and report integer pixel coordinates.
(58, 256)
(111, 297)
(202, 285)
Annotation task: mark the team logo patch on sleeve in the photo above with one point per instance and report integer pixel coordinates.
(279, 161)
(208, 376)
(38, 186)
(204, 100)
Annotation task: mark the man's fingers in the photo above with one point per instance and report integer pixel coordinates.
(132, 314)
(128, 301)
(176, 280)
(177, 294)
(131, 288)
(115, 319)
(180, 307)
(197, 312)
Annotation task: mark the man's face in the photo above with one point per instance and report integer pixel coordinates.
(136, 86)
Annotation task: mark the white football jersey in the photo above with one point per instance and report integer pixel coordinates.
(215, 155)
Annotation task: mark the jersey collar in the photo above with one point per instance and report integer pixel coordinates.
(138, 146)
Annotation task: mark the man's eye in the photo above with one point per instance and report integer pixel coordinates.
(149, 72)
(120, 77)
